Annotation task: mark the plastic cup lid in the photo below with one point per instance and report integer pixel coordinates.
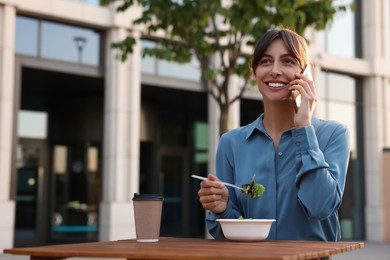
(148, 196)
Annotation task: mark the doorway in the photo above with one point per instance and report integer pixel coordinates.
(31, 193)
(169, 155)
(58, 175)
(174, 182)
(76, 192)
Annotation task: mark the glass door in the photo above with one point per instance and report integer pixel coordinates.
(76, 194)
(31, 193)
(174, 186)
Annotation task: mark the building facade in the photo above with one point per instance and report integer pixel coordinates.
(81, 132)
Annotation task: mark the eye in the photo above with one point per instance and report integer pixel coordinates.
(289, 61)
(265, 61)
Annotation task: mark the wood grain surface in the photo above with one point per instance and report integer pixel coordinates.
(191, 248)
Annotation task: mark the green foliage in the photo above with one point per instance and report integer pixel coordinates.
(125, 47)
(191, 25)
(207, 29)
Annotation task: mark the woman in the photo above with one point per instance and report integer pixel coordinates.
(299, 159)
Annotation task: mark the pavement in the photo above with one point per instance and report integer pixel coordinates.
(371, 251)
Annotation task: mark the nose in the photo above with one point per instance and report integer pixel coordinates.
(275, 70)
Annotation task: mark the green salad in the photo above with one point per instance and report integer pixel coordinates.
(253, 189)
(242, 218)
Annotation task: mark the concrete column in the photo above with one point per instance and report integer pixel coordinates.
(213, 138)
(7, 75)
(373, 115)
(373, 24)
(234, 112)
(213, 122)
(386, 125)
(121, 141)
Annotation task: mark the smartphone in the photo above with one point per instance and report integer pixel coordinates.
(295, 96)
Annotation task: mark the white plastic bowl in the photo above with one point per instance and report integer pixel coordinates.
(246, 229)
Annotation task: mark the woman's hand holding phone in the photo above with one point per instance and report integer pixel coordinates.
(304, 97)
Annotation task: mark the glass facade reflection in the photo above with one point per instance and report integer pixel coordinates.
(70, 43)
(151, 65)
(342, 30)
(148, 64)
(27, 32)
(50, 40)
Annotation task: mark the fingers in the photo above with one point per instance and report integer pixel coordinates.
(211, 199)
(212, 181)
(308, 100)
(305, 86)
(213, 194)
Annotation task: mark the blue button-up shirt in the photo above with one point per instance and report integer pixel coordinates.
(304, 178)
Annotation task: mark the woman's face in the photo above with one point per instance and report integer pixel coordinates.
(274, 72)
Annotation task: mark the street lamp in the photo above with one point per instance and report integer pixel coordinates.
(80, 44)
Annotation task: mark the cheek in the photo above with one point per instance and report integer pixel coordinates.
(259, 74)
(290, 73)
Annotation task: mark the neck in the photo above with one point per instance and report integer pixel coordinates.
(278, 118)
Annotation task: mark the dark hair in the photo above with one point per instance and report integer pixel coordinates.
(295, 43)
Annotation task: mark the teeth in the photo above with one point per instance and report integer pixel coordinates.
(276, 85)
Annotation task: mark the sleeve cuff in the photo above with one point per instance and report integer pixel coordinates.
(227, 213)
(305, 138)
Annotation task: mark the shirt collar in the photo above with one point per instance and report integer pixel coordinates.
(258, 125)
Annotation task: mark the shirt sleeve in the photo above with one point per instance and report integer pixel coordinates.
(213, 226)
(224, 171)
(321, 162)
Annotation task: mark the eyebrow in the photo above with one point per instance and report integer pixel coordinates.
(283, 55)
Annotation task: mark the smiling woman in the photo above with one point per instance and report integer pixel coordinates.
(299, 158)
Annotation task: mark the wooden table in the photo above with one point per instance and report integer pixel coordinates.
(191, 248)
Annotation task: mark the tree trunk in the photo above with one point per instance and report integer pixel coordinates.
(224, 119)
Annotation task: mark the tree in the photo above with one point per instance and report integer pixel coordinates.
(216, 32)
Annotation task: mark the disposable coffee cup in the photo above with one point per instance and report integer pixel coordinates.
(147, 215)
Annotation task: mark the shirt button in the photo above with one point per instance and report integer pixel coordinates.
(280, 153)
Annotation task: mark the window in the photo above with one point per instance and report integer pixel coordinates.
(189, 71)
(148, 64)
(70, 43)
(32, 124)
(340, 37)
(151, 65)
(27, 31)
(50, 40)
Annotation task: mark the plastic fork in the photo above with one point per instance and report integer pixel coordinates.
(225, 183)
